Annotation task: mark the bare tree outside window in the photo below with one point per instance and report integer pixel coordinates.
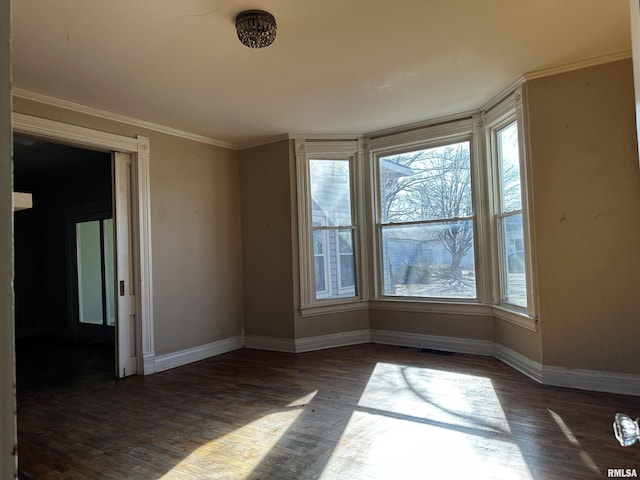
(427, 222)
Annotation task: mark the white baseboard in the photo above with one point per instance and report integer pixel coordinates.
(449, 344)
(592, 380)
(610, 382)
(273, 344)
(332, 340)
(518, 361)
(149, 364)
(195, 354)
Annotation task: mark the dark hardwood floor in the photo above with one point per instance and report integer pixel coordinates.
(361, 412)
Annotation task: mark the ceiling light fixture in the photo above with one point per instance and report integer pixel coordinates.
(256, 28)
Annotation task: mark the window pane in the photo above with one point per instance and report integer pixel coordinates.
(509, 164)
(345, 255)
(347, 277)
(331, 191)
(89, 272)
(345, 241)
(320, 276)
(430, 184)
(318, 242)
(513, 278)
(430, 260)
(109, 274)
(334, 263)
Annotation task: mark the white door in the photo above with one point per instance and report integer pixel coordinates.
(126, 356)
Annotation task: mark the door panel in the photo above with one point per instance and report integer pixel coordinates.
(126, 361)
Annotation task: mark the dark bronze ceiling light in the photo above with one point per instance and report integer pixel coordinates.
(256, 28)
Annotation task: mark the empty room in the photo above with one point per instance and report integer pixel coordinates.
(319, 240)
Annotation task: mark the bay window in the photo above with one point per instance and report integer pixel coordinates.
(433, 216)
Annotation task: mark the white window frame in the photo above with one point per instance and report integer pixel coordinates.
(339, 255)
(453, 131)
(325, 259)
(509, 110)
(306, 150)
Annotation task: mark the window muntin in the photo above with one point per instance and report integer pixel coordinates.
(509, 218)
(426, 227)
(319, 258)
(330, 186)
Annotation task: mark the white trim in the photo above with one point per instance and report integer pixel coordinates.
(334, 307)
(437, 133)
(273, 344)
(421, 125)
(593, 380)
(76, 107)
(452, 308)
(333, 340)
(435, 342)
(139, 147)
(264, 141)
(516, 318)
(525, 365)
(195, 354)
(568, 67)
(42, 127)
(305, 151)
(143, 231)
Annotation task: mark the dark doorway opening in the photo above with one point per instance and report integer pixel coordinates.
(67, 184)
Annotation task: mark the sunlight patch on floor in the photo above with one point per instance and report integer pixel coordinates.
(435, 395)
(247, 446)
(302, 401)
(411, 422)
(386, 447)
(571, 438)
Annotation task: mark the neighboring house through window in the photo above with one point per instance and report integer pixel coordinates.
(328, 227)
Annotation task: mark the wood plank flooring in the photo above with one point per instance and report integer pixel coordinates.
(359, 413)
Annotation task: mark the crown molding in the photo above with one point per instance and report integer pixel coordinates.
(96, 112)
(264, 141)
(568, 67)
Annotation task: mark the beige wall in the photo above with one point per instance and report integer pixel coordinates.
(225, 238)
(520, 340)
(318, 325)
(267, 241)
(195, 227)
(472, 327)
(586, 186)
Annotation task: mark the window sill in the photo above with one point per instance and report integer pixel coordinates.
(515, 317)
(452, 308)
(329, 309)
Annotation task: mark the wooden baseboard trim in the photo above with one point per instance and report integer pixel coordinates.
(322, 342)
(610, 382)
(449, 344)
(189, 355)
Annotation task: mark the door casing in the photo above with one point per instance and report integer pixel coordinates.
(139, 199)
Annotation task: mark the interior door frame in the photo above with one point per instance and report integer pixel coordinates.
(139, 150)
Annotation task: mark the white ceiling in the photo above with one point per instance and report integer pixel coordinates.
(336, 67)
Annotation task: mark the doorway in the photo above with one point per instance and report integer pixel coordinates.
(64, 265)
(132, 217)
